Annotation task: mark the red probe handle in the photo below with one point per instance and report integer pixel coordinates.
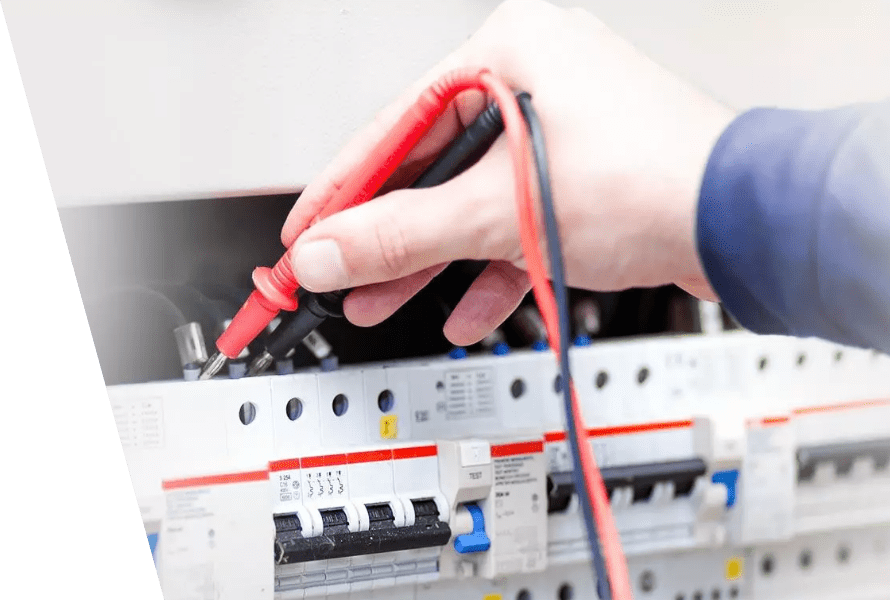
(261, 307)
(277, 287)
(379, 165)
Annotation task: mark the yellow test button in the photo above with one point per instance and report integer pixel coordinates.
(734, 568)
(493, 597)
(389, 427)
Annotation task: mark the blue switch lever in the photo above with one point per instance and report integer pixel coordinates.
(477, 540)
(730, 480)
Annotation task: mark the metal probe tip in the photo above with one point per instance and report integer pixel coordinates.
(213, 366)
(260, 364)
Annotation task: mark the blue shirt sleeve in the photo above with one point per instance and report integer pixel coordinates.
(793, 223)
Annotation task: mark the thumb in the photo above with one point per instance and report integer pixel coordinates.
(404, 232)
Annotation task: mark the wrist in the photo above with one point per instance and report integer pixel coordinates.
(692, 273)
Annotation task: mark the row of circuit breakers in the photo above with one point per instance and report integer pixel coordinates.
(737, 466)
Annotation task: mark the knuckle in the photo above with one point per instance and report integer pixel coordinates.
(510, 279)
(395, 257)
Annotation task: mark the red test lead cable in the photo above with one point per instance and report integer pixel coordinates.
(277, 287)
(514, 125)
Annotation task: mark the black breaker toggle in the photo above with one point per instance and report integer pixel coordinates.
(843, 456)
(642, 478)
(338, 542)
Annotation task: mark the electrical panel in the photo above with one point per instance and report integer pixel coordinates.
(737, 466)
(381, 462)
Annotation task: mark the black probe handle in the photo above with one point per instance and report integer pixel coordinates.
(314, 309)
(457, 157)
(469, 146)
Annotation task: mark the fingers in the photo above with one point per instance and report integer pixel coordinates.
(491, 299)
(460, 113)
(407, 231)
(700, 288)
(493, 47)
(498, 45)
(372, 304)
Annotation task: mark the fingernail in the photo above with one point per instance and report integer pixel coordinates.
(319, 267)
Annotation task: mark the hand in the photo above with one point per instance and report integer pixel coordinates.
(627, 141)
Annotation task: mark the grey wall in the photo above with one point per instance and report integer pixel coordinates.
(175, 99)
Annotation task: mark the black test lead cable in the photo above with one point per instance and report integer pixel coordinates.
(560, 291)
(314, 309)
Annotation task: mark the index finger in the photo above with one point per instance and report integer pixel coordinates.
(463, 110)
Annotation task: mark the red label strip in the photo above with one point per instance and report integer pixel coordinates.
(207, 480)
(287, 464)
(354, 458)
(769, 421)
(639, 428)
(330, 460)
(560, 436)
(535, 447)
(414, 452)
(845, 406)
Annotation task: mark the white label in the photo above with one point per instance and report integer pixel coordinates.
(767, 484)
(287, 485)
(325, 484)
(139, 423)
(468, 394)
(215, 542)
(520, 514)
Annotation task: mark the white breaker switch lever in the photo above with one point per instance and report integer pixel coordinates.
(466, 477)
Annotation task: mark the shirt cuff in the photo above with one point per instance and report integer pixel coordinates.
(759, 212)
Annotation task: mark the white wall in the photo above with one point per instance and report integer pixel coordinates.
(173, 99)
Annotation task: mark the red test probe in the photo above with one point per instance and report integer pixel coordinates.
(276, 288)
